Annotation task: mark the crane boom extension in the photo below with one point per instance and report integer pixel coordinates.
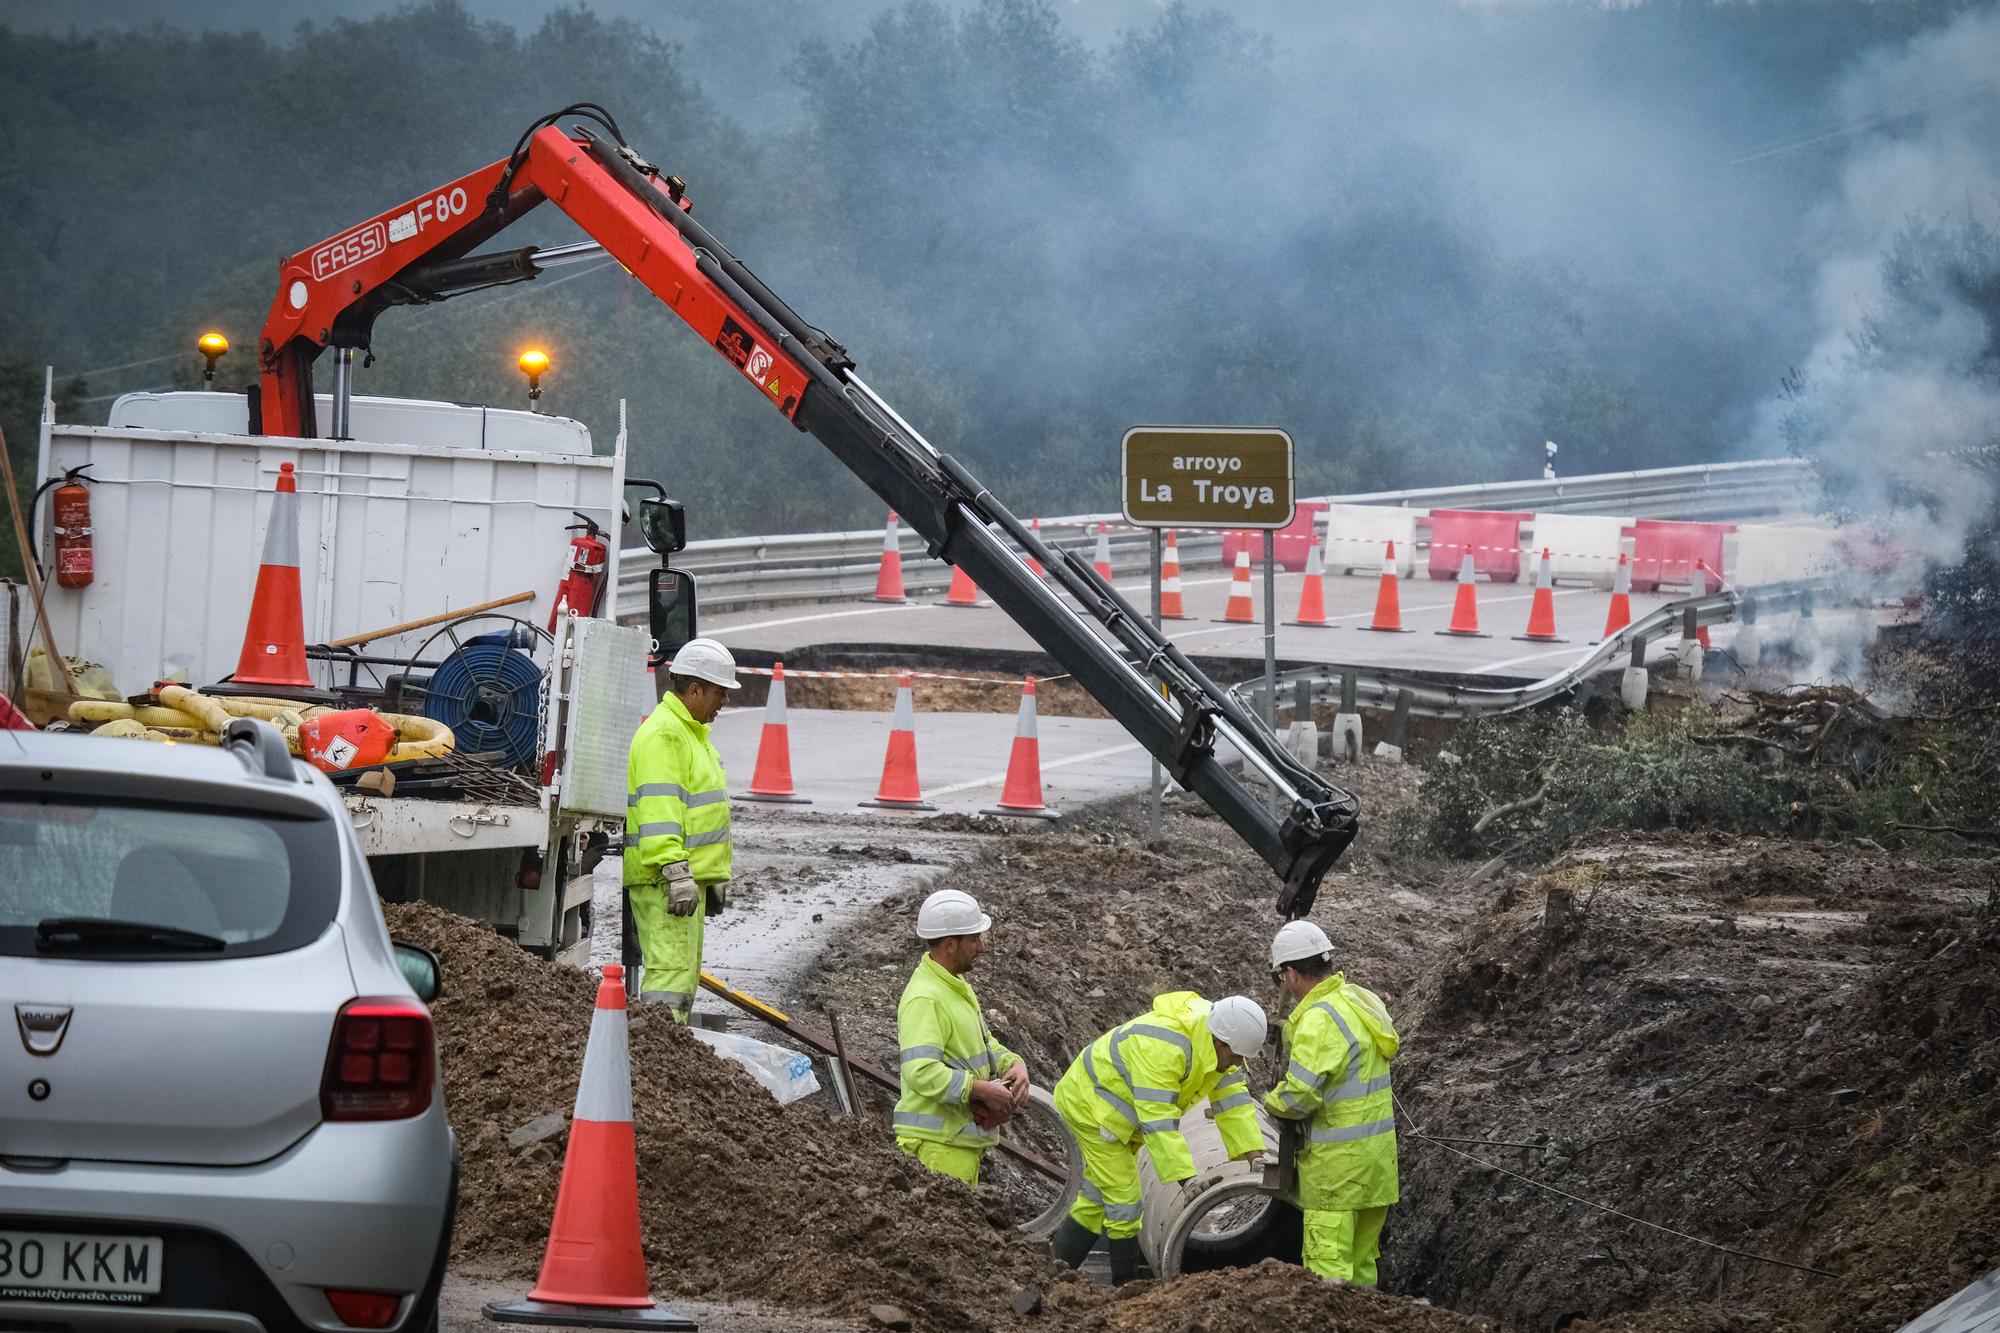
(331, 294)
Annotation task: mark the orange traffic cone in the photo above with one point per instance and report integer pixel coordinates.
(1170, 580)
(964, 592)
(900, 789)
(1388, 604)
(1465, 606)
(889, 578)
(1699, 587)
(1101, 561)
(1312, 596)
(593, 1271)
(1022, 796)
(274, 642)
(1034, 565)
(772, 781)
(1542, 607)
(1620, 614)
(1240, 611)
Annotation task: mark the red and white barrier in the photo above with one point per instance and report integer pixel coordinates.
(1357, 534)
(1583, 548)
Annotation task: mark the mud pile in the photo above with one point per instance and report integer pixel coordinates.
(1789, 1049)
(738, 1196)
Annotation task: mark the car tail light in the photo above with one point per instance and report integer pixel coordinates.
(381, 1063)
(364, 1309)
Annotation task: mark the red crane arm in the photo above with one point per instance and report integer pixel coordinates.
(329, 294)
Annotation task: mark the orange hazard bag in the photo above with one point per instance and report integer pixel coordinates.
(354, 738)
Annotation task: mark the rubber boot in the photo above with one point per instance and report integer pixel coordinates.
(1124, 1259)
(1071, 1242)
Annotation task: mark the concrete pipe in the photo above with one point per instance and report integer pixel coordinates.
(1229, 1216)
(1050, 1131)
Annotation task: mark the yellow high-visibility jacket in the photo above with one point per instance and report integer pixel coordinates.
(676, 799)
(1339, 1041)
(946, 1048)
(1138, 1078)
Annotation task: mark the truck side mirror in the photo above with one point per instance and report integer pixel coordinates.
(671, 610)
(663, 524)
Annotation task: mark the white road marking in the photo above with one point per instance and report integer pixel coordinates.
(830, 615)
(999, 778)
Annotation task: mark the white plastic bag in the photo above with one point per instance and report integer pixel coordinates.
(786, 1074)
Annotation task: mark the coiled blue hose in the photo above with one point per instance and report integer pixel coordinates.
(490, 695)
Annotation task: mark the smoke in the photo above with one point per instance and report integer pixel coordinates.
(1898, 400)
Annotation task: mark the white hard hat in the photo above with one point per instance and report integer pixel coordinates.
(705, 659)
(1296, 940)
(1238, 1020)
(951, 912)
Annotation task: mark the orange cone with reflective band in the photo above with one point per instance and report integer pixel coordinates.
(1022, 795)
(900, 789)
(1170, 580)
(1542, 607)
(1101, 562)
(1034, 565)
(1465, 606)
(1240, 611)
(964, 592)
(1620, 614)
(274, 642)
(594, 1271)
(1388, 603)
(772, 781)
(1312, 595)
(889, 578)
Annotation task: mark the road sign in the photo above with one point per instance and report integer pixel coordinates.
(1207, 477)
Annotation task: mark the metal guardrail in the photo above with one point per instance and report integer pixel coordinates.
(736, 572)
(1429, 697)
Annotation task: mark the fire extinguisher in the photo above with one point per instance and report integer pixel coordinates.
(583, 580)
(70, 514)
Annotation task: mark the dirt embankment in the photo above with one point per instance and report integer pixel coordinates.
(739, 1196)
(1789, 1049)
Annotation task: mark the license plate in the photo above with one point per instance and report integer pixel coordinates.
(54, 1265)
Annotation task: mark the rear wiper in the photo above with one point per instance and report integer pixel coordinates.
(66, 934)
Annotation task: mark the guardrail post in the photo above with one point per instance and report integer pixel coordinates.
(1302, 737)
(1390, 751)
(1347, 722)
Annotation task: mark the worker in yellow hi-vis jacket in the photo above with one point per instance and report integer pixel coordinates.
(677, 853)
(1339, 1041)
(1128, 1090)
(959, 1085)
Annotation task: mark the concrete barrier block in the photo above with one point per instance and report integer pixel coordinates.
(1347, 738)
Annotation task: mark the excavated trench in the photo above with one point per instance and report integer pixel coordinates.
(1784, 1048)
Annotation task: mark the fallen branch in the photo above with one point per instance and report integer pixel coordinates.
(1511, 808)
(1968, 833)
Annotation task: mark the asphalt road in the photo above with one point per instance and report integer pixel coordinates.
(1349, 602)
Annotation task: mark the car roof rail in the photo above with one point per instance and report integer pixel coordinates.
(260, 746)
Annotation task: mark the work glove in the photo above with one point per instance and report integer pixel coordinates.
(682, 892)
(718, 896)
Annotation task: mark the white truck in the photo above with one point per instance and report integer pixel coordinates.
(430, 507)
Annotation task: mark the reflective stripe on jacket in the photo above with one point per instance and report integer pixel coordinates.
(946, 1048)
(1138, 1079)
(1338, 1042)
(676, 799)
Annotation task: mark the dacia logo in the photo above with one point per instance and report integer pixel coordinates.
(42, 1026)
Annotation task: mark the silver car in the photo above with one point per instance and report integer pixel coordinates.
(221, 1107)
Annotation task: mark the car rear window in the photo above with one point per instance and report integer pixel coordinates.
(260, 883)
